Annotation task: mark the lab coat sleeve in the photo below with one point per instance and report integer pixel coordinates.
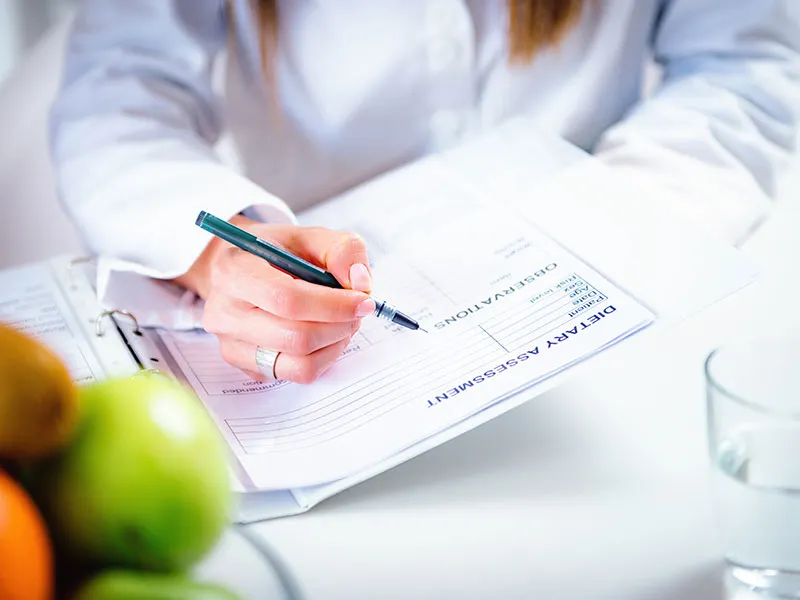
(133, 130)
(714, 137)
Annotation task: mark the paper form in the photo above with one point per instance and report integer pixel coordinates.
(31, 300)
(505, 307)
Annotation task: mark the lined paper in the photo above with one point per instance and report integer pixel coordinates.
(505, 307)
(31, 301)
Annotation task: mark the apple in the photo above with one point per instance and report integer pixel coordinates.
(134, 585)
(145, 482)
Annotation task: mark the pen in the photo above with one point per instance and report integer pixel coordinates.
(294, 265)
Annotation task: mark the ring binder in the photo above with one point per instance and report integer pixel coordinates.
(148, 372)
(98, 323)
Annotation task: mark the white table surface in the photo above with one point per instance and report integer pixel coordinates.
(598, 489)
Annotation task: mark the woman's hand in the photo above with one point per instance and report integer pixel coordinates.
(250, 303)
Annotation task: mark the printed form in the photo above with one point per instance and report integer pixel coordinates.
(504, 305)
(31, 300)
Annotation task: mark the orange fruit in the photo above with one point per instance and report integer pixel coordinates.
(26, 555)
(38, 399)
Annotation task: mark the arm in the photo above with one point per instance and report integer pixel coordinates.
(724, 122)
(133, 130)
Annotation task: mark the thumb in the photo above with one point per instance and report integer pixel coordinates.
(342, 253)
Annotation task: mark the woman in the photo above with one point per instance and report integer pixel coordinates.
(316, 96)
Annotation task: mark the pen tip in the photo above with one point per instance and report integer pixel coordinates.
(425, 330)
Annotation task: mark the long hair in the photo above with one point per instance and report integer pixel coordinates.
(533, 25)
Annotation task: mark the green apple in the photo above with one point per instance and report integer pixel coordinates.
(132, 585)
(145, 482)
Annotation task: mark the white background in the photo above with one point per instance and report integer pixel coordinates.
(22, 23)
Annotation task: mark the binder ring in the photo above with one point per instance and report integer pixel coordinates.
(73, 263)
(98, 323)
(149, 372)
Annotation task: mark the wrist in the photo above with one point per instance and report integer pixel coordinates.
(198, 277)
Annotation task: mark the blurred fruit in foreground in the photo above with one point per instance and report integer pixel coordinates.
(132, 585)
(38, 399)
(26, 561)
(145, 483)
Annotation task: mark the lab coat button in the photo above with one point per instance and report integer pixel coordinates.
(442, 54)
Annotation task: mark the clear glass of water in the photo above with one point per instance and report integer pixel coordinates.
(753, 391)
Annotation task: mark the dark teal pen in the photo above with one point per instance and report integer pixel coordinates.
(294, 265)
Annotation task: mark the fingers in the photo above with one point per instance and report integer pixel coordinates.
(244, 276)
(343, 254)
(288, 367)
(307, 369)
(254, 326)
(251, 303)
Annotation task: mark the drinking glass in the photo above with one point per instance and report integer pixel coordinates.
(753, 395)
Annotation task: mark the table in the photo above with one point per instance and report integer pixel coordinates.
(598, 489)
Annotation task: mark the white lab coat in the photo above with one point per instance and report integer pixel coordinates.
(154, 91)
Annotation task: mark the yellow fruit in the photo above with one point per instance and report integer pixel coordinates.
(38, 399)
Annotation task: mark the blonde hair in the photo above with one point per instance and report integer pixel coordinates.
(533, 25)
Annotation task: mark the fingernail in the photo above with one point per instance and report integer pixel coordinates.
(360, 278)
(367, 307)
